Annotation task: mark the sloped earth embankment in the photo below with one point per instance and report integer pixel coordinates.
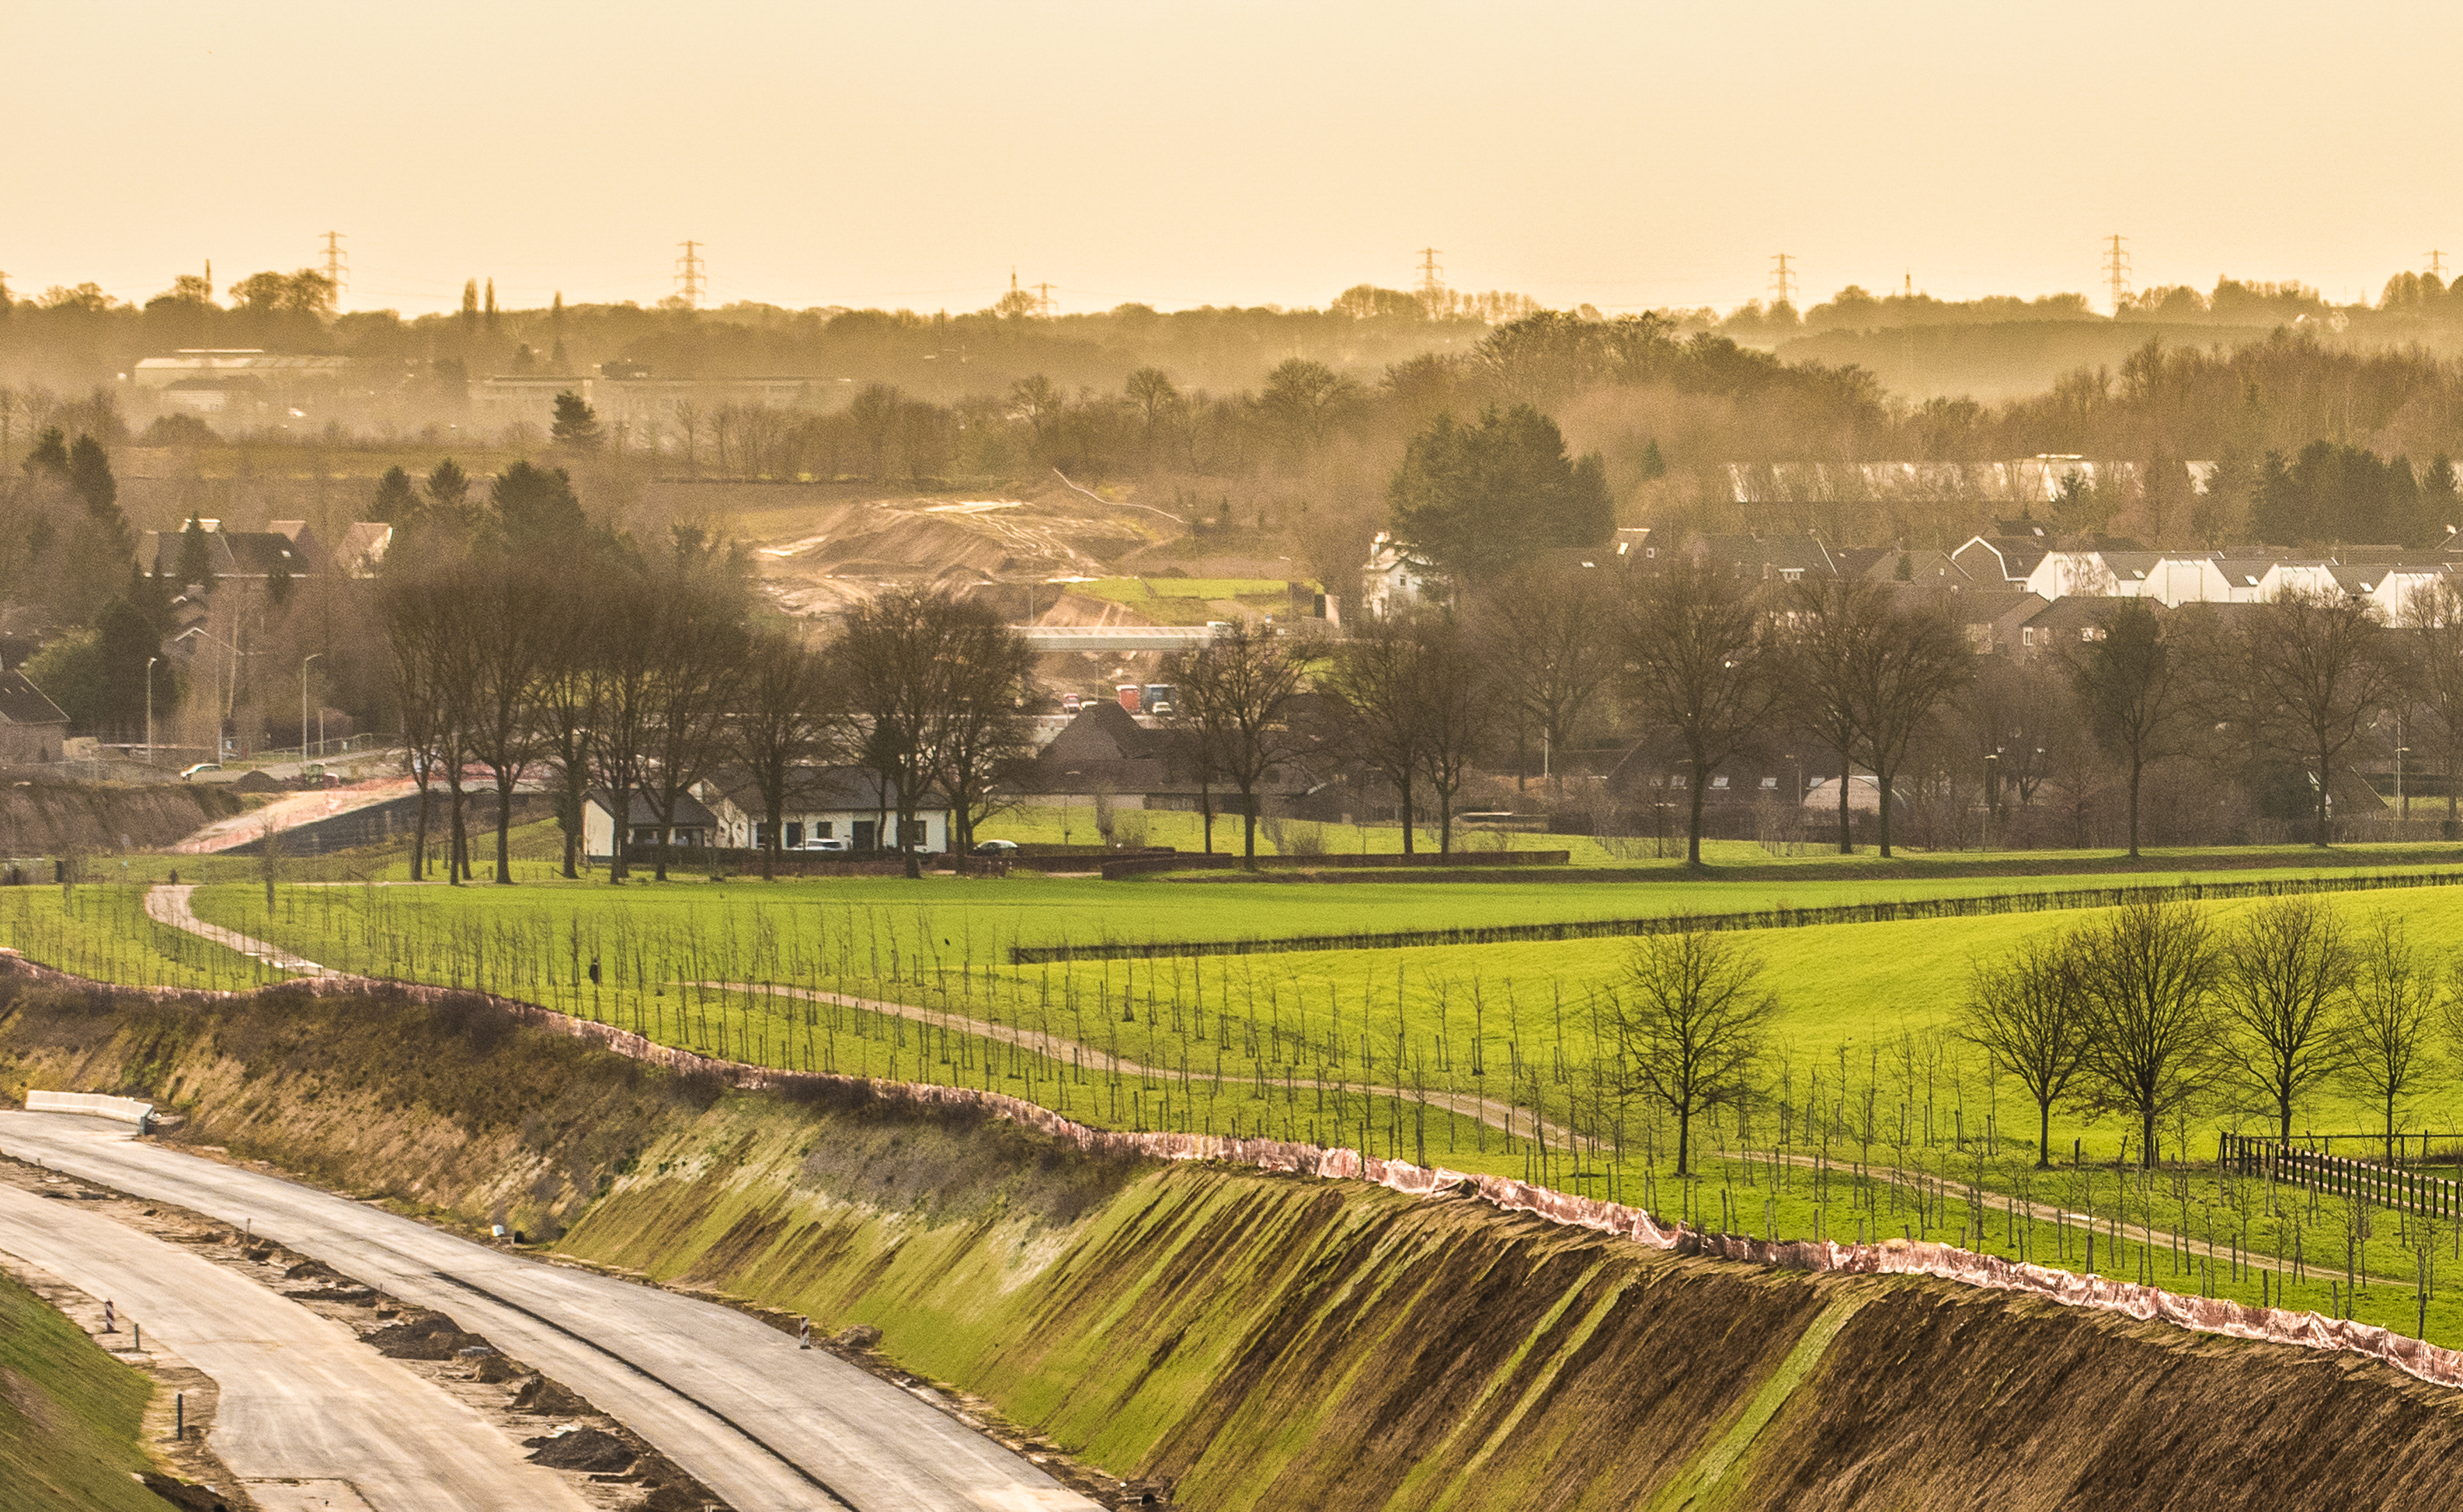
(48, 819)
(1254, 1341)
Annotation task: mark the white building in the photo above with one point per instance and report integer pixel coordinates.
(847, 807)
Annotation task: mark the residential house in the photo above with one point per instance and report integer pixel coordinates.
(2007, 561)
(1393, 579)
(2064, 623)
(1994, 618)
(694, 824)
(845, 803)
(31, 727)
(1926, 566)
(290, 549)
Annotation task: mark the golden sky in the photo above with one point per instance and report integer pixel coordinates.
(911, 154)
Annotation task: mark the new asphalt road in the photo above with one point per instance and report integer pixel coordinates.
(761, 1423)
(301, 1397)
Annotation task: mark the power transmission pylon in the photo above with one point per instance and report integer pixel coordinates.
(1782, 281)
(1043, 300)
(2437, 265)
(1433, 281)
(690, 277)
(2116, 270)
(338, 267)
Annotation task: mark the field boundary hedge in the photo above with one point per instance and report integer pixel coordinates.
(1981, 905)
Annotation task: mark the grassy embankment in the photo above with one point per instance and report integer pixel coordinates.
(1305, 1045)
(1262, 1340)
(70, 1415)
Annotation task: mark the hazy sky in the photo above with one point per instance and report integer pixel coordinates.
(1184, 153)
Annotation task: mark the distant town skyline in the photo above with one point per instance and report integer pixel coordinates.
(1623, 157)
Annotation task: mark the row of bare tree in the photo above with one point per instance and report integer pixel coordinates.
(2152, 1007)
(642, 679)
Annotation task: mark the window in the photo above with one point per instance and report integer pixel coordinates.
(825, 830)
(2027, 636)
(1769, 782)
(1718, 782)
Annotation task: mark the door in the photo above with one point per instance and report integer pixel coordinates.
(866, 833)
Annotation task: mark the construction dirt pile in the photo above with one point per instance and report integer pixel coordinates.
(1255, 1340)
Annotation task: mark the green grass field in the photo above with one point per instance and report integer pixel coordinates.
(70, 1414)
(1364, 1046)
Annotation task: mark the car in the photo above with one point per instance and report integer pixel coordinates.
(1070, 703)
(817, 844)
(996, 848)
(201, 766)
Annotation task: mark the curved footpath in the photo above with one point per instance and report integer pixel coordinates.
(734, 1402)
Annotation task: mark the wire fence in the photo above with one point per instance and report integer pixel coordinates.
(1778, 918)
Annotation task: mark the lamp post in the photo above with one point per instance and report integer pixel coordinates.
(303, 709)
(149, 709)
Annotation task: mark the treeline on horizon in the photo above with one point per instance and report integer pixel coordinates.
(1300, 444)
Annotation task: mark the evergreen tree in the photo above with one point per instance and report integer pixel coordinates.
(89, 474)
(196, 555)
(577, 424)
(50, 455)
(1474, 501)
(537, 513)
(395, 499)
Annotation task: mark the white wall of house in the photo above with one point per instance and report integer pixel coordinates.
(2071, 573)
(861, 829)
(2177, 581)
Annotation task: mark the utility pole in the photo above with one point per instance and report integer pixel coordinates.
(1433, 283)
(690, 278)
(2116, 270)
(338, 267)
(1782, 281)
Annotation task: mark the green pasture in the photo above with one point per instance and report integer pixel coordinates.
(1364, 1046)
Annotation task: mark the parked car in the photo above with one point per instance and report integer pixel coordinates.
(994, 848)
(1071, 703)
(817, 844)
(201, 766)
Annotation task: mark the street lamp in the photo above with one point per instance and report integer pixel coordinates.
(303, 710)
(149, 709)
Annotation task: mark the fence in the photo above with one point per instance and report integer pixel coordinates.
(1986, 904)
(1891, 1256)
(2342, 1176)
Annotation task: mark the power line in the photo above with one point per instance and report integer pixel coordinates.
(2116, 270)
(690, 277)
(338, 267)
(1782, 281)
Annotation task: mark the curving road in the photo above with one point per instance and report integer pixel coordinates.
(301, 1397)
(764, 1425)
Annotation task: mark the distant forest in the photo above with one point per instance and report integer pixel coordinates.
(1287, 424)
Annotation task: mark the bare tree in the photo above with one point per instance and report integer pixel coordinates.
(2145, 974)
(1697, 661)
(1691, 1025)
(2281, 984)
(1240, 686)
(1827, 638)
(2135, 690)
(783, 723)
(568, 695)
(697, 659)
(983, 733)
(2433, 620)
(1456, 713)
(2387, 1054)
(2313, 667)
(627, 665)
(412, 624)
(1919, 658)
(1547, 634)
(2028, 1014)
(936, 685)
(1372, 681)
(510, 641)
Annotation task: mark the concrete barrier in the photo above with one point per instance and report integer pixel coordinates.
(93, 1105)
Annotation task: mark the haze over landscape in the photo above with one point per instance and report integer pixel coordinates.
(1356, 756)
(1626, 157)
